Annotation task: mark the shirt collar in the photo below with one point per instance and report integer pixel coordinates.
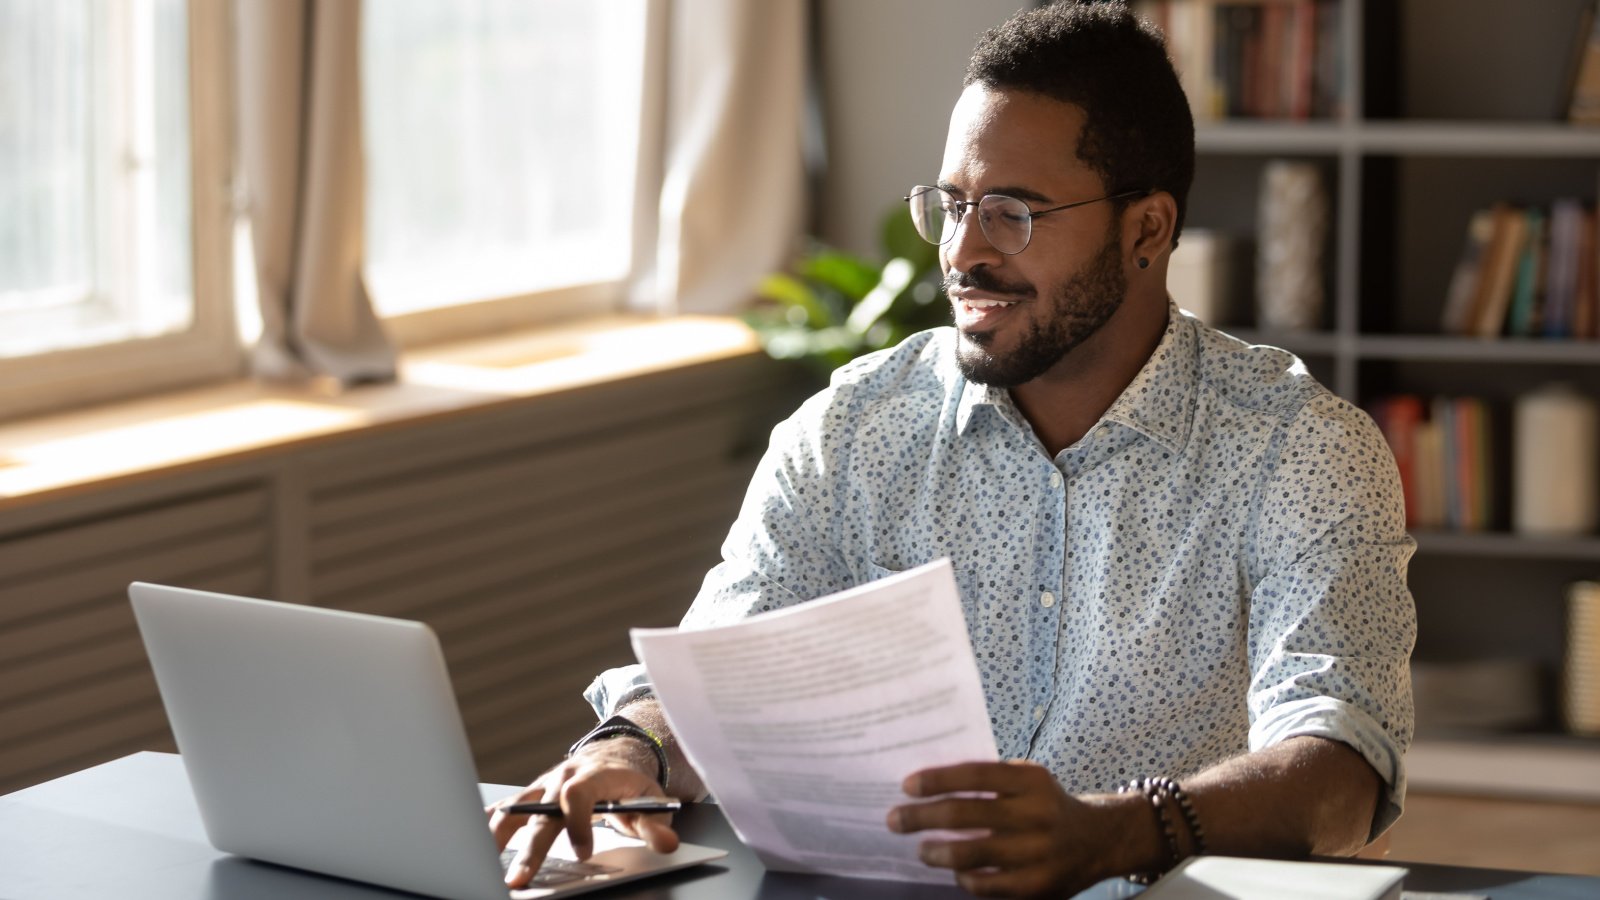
(1158, 403)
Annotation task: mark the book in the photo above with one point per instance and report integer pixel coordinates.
(1236, 878)
(1203, 275)
(1522, 320)
(1398, 417)
(1561, 278)
(1584, 298)
(1463, 288)
(1445, 464)
(1471, 453)
(1500, 257)
(1583, 95)
(1429, 470)
(1275, 59)
(1302, 59)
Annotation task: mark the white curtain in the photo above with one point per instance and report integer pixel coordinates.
(300, 146)
(731, 188)
(720, 189)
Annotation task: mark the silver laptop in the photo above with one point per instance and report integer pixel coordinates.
(331, 741)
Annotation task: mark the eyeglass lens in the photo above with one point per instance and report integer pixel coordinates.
(1006, 221)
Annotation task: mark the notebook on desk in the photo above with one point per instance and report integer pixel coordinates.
(331, 741)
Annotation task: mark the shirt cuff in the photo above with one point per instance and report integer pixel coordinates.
(615, 688)
(1350, 725)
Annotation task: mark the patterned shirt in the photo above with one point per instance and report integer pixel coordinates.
(1217, 565)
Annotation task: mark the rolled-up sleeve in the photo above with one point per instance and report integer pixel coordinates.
(1332, 624)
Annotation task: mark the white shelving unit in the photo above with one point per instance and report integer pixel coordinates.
(1462, 114)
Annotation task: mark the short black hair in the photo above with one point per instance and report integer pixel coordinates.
(1138, 132)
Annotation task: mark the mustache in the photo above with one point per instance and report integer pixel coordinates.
(981, 279)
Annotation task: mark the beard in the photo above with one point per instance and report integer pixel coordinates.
(1075, 312)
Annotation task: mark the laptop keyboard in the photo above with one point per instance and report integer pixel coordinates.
(559, 871)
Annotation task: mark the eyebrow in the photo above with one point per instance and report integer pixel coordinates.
(1017, 191)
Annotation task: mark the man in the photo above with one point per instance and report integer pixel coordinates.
(1178, 555)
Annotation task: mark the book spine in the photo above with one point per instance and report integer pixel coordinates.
(1525, 294)
(1566, 225)
(1494, 298)
(1584, 298)
(1458, 307)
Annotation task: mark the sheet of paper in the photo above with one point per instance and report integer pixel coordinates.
(804, 721)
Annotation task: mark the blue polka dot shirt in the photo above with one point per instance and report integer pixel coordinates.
(1217, 566)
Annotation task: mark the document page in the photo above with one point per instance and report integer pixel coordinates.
(804, 721)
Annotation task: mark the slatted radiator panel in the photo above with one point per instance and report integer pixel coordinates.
(531, 541)
(75, 687)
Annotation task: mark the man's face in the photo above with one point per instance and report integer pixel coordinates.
(1019, 315)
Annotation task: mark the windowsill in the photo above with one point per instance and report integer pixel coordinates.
(50, 457)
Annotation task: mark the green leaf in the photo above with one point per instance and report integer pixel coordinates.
(898, 274)
(790, 291)
(847, 274)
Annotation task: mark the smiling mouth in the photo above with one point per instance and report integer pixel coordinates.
(980, 313)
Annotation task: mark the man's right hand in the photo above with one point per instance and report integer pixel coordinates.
(615, 769)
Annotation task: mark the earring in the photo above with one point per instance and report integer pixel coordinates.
(1144, 263)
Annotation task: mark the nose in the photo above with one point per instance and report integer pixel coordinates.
(969, 246)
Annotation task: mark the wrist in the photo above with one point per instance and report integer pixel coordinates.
(624, 750)
(1135, 841)
(619, 728)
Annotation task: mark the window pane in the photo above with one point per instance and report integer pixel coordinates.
(501, 141)
(94, 173)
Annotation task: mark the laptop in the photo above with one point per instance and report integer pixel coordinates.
(331, 741)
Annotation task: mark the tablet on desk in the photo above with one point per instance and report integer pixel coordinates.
(331, 741)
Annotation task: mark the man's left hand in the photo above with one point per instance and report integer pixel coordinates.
(1035, 838)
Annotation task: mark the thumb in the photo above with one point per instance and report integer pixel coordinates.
(657, 834)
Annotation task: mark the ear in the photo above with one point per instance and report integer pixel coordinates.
(1147, 228)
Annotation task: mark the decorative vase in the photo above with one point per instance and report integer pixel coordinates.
(1293, 229)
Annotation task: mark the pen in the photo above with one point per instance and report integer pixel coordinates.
(637, 805)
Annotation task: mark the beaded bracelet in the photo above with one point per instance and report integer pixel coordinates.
(1189, 817)
(1164, 792)
(1163, 822)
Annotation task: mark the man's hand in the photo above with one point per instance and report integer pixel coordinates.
(1037, 839)
(604, 770)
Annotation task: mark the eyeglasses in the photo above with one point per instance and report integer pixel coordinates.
(1006, 221)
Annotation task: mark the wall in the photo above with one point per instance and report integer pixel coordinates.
(891, 72)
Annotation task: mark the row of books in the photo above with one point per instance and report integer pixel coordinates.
(1270, 59)
(1527, 271)
(1442, 449)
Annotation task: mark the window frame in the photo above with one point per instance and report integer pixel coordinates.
(209, 349)
(557, 304)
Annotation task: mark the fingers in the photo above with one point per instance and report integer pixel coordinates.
(1013, 851)
(531, 855)
(656, 832)
(951, 813)
(1032, 882)
(576, 785)
(1000, 778)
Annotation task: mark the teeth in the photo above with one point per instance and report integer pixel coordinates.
(986, 304)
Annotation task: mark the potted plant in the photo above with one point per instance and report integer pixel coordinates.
(834, 306)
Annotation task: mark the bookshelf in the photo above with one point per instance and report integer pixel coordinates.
(1448, 106)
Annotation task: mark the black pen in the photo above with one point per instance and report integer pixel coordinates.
(636, 805)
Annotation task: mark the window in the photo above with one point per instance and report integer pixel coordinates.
(101, 288)
(501, 144)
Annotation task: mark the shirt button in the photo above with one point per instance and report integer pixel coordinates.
(1055, 479)
(1038, 713)
(1047, 600)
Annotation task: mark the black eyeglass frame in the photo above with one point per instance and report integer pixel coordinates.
(961, 207)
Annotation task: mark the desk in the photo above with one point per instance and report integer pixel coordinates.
(130, 828)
